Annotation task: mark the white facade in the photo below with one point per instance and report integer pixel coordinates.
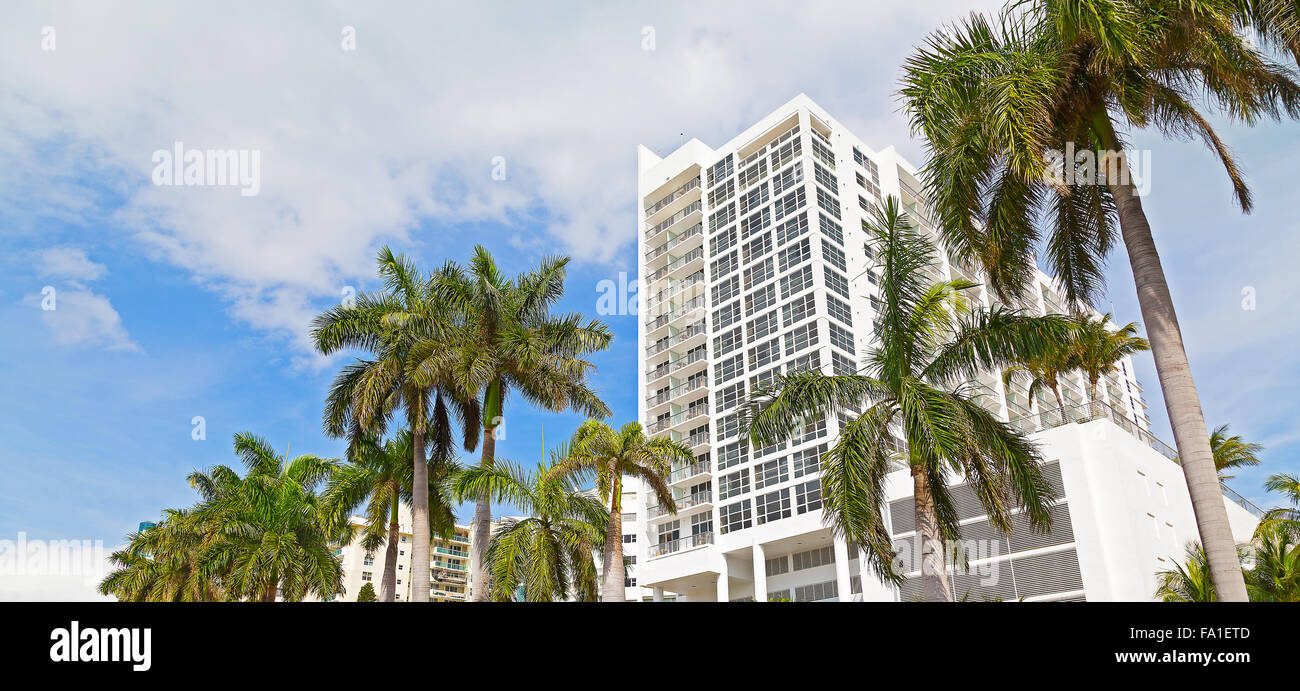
(752, 263)
(448, 564)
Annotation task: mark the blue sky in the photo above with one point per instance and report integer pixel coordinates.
(176, 302)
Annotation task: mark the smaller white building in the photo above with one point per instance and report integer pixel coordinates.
(448, 564)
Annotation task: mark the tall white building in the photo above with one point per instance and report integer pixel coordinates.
(752, 264)
(448, 564)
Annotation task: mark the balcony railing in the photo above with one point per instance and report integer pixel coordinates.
(687, 308)
(685, 284)
(1087, 412)
(697, 253)
(672, 197)
(689, 471)
(451, 552)
(652, 231)
(691, 500)
(681, 544)
(655, 253)
(676, 391)
(674, 420)
(691, 331)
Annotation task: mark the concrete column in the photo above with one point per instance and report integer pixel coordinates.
(842, 581)
(760, 573)
(724, 587)
(658, 594)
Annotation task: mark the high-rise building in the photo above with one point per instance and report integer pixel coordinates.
(448, 564)
(752, 263)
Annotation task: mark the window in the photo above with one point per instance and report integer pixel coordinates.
(794, 255)
(764, 379)
(729, 426)
(733, 484)
(765, 354)
(813, 558)
(758, 273)
(753, 173)
(726, 290)
(786, 152)
(724, 240)
(754, 223)
(807, 461)
(770, 473)
(799, 309)
(724, 265)
(726, 316)
(772, 506)
(796, 282)
(756, 248)
(787, 178)
(721, 170)
(368, 561)
(816, 591)
(841, 338)
(762, 327)
(760, 299)
(814, 430)
(834, 256)
(831, 229)
(720, 194)
(837, 283)
(789, 204)
(753, 199)
(839, 309)
(791, 229)
(776, 565)
(366, 575)
(824, 177)
(808, 362)
(629, 538)
(801, 338)
(735, 516)
(702, 523)
(829, 203)
(722, 217)
(732, 454)
(727, 342)
(730, 397)
(728, 369)
(822, 153)
(841, 365)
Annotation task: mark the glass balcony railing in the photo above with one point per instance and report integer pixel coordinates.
(686, 502)
(691, 331)
(672, 197)
(652, 231)
(689, 471)
(676, 391)
(671, 546)
(697, 253)
(655, 253)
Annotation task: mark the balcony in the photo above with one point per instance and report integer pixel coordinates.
(694, 231)
(653, 231)
(681, 544)
(452, 552)
(692, 330)
(662, 321)
(693, 255)
(680, 389)
(690, 472)
(695, 279)
(692, 501)
(1088, 412)
(665, 202)
(680, 418)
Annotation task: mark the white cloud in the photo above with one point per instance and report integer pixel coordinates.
(70, 263)
(366, 147)
(82, 318)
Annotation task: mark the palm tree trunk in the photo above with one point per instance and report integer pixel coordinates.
(268, 595)
(1060, 402)
(934, 573)
(1175, 373)
(388, 586)
(614, 573)
(420, 536)
(482, 526)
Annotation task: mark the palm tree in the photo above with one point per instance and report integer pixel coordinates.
(1098, 348)
(932, 344)
(1189, 581)
(367, 393)
(1275, 576)
(380, 475)
(512, 344)
(993, 98)
(611, 454)
(268, 533)
(1045, 370)
(1288, 485)
(1232, 452)
(547, 554)
(162, 564)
